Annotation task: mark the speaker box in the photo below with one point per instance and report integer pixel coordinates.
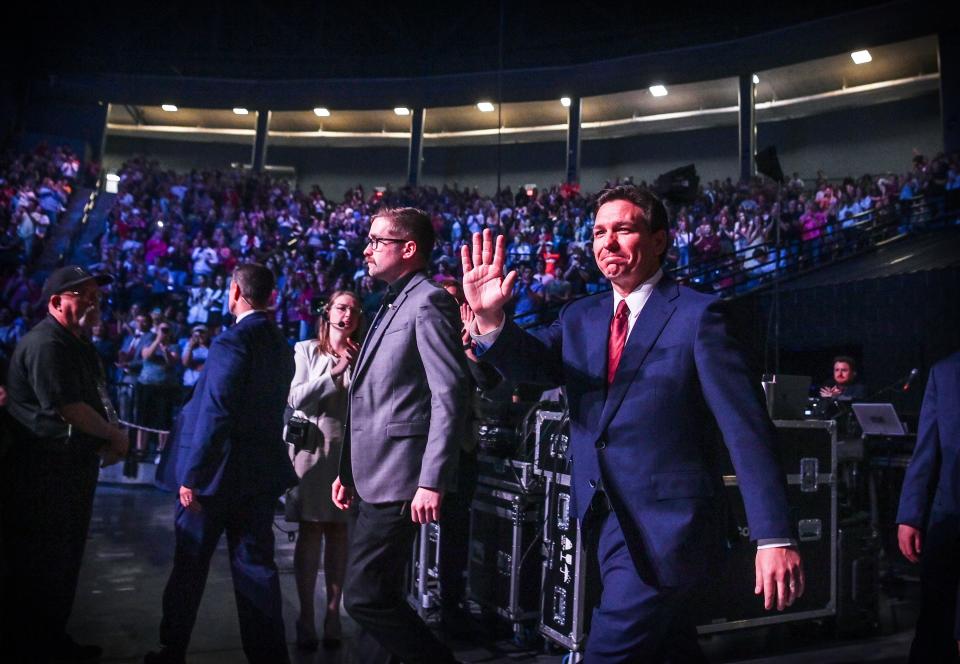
(769, 164)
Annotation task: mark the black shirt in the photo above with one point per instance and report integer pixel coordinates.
(51, 368)
(389, 295)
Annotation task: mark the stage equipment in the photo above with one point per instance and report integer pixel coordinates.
(769, 164)
(807, 450)
(508, 474)
(423, 583)
(679, 185)
(505, 556)
(570, 586)
(858, 578)
(551, 455)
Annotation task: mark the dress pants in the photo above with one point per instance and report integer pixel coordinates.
(248, 523)
(48, 491)
(634, 621)
(373, 594)
(937, 632)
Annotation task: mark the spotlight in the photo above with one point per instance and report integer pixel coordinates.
(321, 112)
(658, 91)
(485, 106)
(240, 111)
(756, 80)
(861, 57)
(565, 102)
(401, 110)
(169, 108)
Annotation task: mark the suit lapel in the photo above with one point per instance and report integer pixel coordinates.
(373, 340)
(653, 318)
(598, 334)
(593, 328)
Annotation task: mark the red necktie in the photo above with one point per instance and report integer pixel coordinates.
(618, 339)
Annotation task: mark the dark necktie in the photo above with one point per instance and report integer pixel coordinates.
(385, 305)
(618, 339)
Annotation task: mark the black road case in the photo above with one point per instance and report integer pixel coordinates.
(807, 450)
(551, 455)
(505, 556)
(568, 586)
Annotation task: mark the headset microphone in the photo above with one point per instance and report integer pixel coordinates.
(326, 317)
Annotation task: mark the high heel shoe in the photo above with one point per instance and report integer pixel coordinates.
(307, 637)
(332, 631)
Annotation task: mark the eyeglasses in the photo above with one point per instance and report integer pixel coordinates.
(374, 242)
(344, 308)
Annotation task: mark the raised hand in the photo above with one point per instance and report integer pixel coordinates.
(486, 288)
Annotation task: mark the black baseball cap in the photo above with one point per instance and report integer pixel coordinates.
(68, 278)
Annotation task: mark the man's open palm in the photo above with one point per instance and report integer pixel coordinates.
(484, 285)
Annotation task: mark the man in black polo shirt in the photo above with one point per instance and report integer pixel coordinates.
(63, 428)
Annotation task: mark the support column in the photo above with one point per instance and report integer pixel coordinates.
(573, 141)
(98, 140)
(260, 141)
(415, 157)
(748, 127)
(948, 53)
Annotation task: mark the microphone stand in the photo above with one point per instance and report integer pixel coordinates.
(895, 388)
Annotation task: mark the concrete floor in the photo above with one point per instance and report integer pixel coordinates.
(130, 551)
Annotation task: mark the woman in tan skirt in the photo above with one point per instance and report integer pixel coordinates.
(319, 395)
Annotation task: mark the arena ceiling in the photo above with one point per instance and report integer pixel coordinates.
(281, 39)
(898, 70)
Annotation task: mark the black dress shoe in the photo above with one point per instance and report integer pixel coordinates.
(164, 656)
(66, 649)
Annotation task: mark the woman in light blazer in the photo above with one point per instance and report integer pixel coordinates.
(319, 395)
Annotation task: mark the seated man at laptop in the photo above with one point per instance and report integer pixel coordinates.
(845, 386)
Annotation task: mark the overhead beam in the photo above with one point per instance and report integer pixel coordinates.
(895, 21)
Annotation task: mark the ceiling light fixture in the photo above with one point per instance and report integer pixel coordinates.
(756, 80)
(861, 57)
(169, 108)
(240, 111)
(401, 110)
(565, 102)
(658, 91)
(485, 107)
(321, 112)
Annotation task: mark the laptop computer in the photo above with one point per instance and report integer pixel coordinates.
(787, 396)
(878, 419)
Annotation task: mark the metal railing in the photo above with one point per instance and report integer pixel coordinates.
(738, 273)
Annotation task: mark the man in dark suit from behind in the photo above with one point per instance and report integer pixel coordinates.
(929, 515)
(230, 466)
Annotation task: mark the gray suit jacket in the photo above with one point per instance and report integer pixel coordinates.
(408, 400)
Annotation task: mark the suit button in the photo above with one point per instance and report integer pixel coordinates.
(601, 443)
(593, 484)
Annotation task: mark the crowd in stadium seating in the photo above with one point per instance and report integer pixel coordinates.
(173, 239)
(34, 189)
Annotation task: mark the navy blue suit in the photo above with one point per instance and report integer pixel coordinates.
(646, 441)
(228, 447)
(930, 501)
